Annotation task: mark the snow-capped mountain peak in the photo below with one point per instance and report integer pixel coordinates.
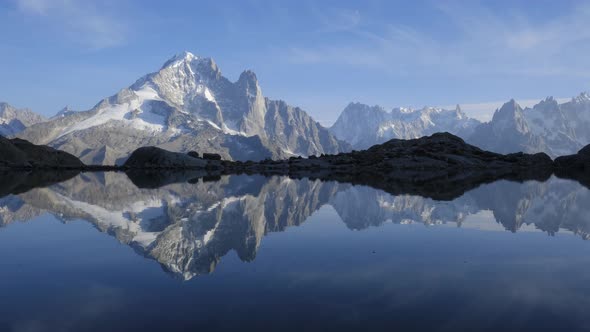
(188, 105)
(13, 120)
(550, 127)
(459, 112)
(64, 111)
(180, 58)
(363, 126)
(583, 97)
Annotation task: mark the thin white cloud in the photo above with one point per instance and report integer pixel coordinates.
(85, 22)
(485, 43)
(338, 19)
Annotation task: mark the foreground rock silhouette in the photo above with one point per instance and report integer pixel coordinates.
(20, 154)
(575, 167)
(153, 157)
(441, 151)
(440, 166)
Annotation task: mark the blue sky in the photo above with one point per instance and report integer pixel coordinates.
(319, 55)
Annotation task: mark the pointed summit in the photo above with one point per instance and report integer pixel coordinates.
(583, 97)
(249, 82)
(459, 112)
(548, 103)
(509, 119)
(509, 108)
(67, 110)
(179, 58)
(248, 76)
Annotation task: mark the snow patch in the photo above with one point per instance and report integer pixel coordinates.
(135, 113)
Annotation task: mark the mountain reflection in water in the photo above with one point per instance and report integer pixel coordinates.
(190, 223)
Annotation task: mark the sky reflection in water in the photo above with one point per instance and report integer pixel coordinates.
(98, 253)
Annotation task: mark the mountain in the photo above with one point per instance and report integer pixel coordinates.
(187, 105)
(63, 112)
(14, 121)
(364, 126)
(550, 127)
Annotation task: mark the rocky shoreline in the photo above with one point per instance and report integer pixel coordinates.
(441, 165)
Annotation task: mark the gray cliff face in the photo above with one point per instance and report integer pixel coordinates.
(550, 127)
(187, 105)
(14, 121)
(364, 126)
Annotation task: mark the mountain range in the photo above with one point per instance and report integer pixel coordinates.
(550, 127)
(188, 105)
(364, 126)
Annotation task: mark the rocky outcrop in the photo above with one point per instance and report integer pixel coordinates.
(440, 166)
(18, 153)
(435, 152)
(211, 156)
(575, 167)
(438, 152)
(153, 157)
(441, 153)
(576, 162)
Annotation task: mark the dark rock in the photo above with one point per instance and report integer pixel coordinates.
(575, 163)
(153, 157)
(436, 152)
(18, 153)
(193, 154)
(211, 156)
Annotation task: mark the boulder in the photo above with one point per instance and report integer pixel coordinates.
(211, 156)
(18, 153)
(193, 154)
(153, 157)
(575, 162)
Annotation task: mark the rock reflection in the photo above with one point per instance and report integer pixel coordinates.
(187, 223)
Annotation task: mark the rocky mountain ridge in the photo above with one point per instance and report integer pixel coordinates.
(364, 126)
(14, 121)
(550, 127)
(187, 105)
(553, 128)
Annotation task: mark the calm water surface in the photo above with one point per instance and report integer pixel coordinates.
(97, 253)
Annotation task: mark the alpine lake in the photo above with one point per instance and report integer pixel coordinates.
(104, 251)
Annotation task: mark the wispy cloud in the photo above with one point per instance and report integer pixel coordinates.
(337, 19)
(86, 22)
(485, 42)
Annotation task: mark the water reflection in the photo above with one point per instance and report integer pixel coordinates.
(188, 223)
